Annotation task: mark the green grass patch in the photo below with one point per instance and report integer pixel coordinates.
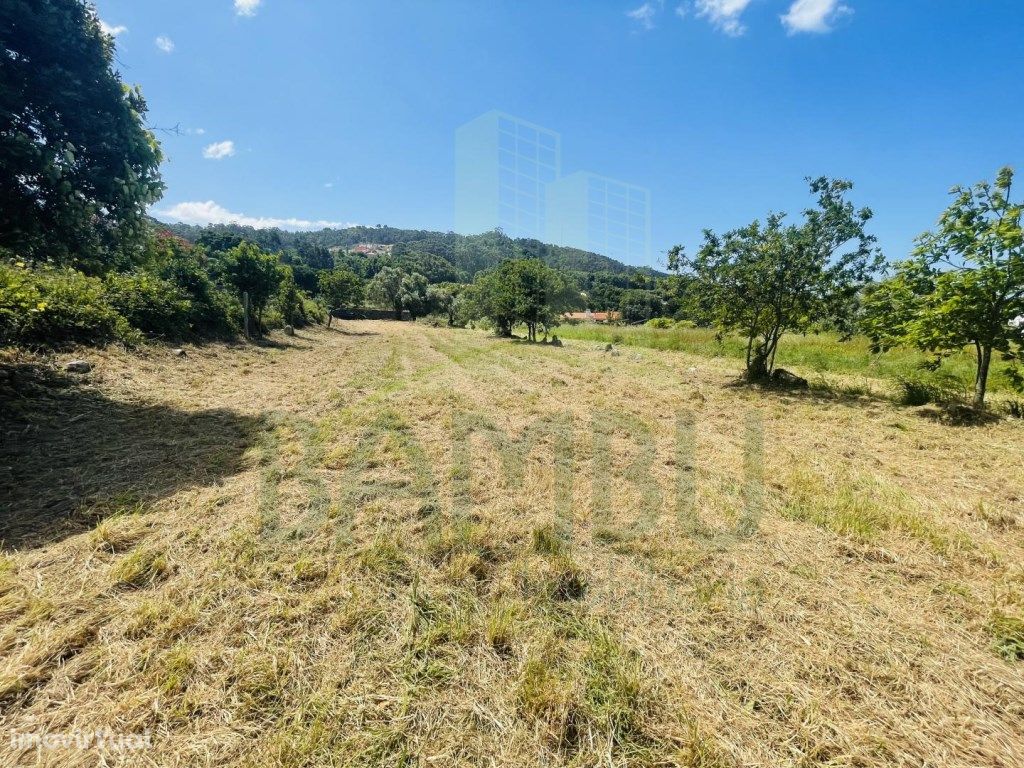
(821, 353)
(1007, 636)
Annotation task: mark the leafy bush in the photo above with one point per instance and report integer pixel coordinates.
(50, 306)
(660, 323)
(288, 301)
(150, 304)
(922, 386)
(213, 310)
(314, 310)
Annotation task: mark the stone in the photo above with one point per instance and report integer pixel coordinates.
(289, 331)
(555, 341)
(608, 348)
(78, 366)
(784, 378)
(179, 352)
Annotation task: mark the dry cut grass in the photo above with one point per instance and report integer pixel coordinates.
(396, 545)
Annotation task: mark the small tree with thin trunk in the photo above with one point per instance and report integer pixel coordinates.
(767, 279)
(964, 286)
(339, 289)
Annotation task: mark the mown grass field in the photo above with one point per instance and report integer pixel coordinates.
(312, 554)
(822, 353)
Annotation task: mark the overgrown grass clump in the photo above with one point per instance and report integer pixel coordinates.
(1007, 635)
(141, 568)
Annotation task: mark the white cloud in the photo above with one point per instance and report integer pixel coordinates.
(164, 43)
(644, 15)
(813, 15)
(219, 150)
(329, 185)
(247, 7)
(682, 11)
(107, 29)
(210, 212)
(724, 14)
(195, 131)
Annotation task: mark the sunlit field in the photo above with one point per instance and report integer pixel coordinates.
(388, 544)
(815, 353)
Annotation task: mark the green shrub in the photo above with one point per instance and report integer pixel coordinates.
(150, 304)
(922, 386)
(660, 322)
(49, 306)
(213, 311)
(315, 312)
(289, 301)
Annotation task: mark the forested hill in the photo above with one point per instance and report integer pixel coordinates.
(448, 255)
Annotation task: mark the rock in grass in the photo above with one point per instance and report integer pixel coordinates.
(783, 378)
(179, 352)
(289, 331)
(78, 366)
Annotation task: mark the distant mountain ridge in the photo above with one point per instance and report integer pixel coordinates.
(466, 254)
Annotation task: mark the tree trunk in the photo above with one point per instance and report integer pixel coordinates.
(247, 314)
(981, 377)
(329, 315)
(757, 363)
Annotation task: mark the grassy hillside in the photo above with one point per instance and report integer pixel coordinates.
(310, 553)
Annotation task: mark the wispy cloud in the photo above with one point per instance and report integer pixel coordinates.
(247, 7)
(682, 11)
(195, 131)
(209, 212)
(328, 185)
(813, 15)
(645, 14)
(219, 150)
(113, 31)
(164, 43)
(724, 15)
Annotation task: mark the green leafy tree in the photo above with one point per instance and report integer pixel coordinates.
(443, 298)
(78, 168)
(767, 279)
(964, 285)
(340, 289)
(414, 295)
(386, 289)
(639, 306)
(289, 299)
(251, 270)
(524, 291)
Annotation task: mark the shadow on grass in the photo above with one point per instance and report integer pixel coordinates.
(70, 456)
(816, 392)
(343, 332)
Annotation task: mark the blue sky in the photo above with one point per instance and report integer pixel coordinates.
(295, 111)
